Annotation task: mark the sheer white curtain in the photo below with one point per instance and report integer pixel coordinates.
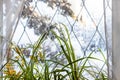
(11, 10)
(1, 31)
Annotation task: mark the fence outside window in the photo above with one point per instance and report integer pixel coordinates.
(89, 24)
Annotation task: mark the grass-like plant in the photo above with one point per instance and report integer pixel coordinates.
(73, 70)
(38, 67)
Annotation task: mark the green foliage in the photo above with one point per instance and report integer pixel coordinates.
(38, 67)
